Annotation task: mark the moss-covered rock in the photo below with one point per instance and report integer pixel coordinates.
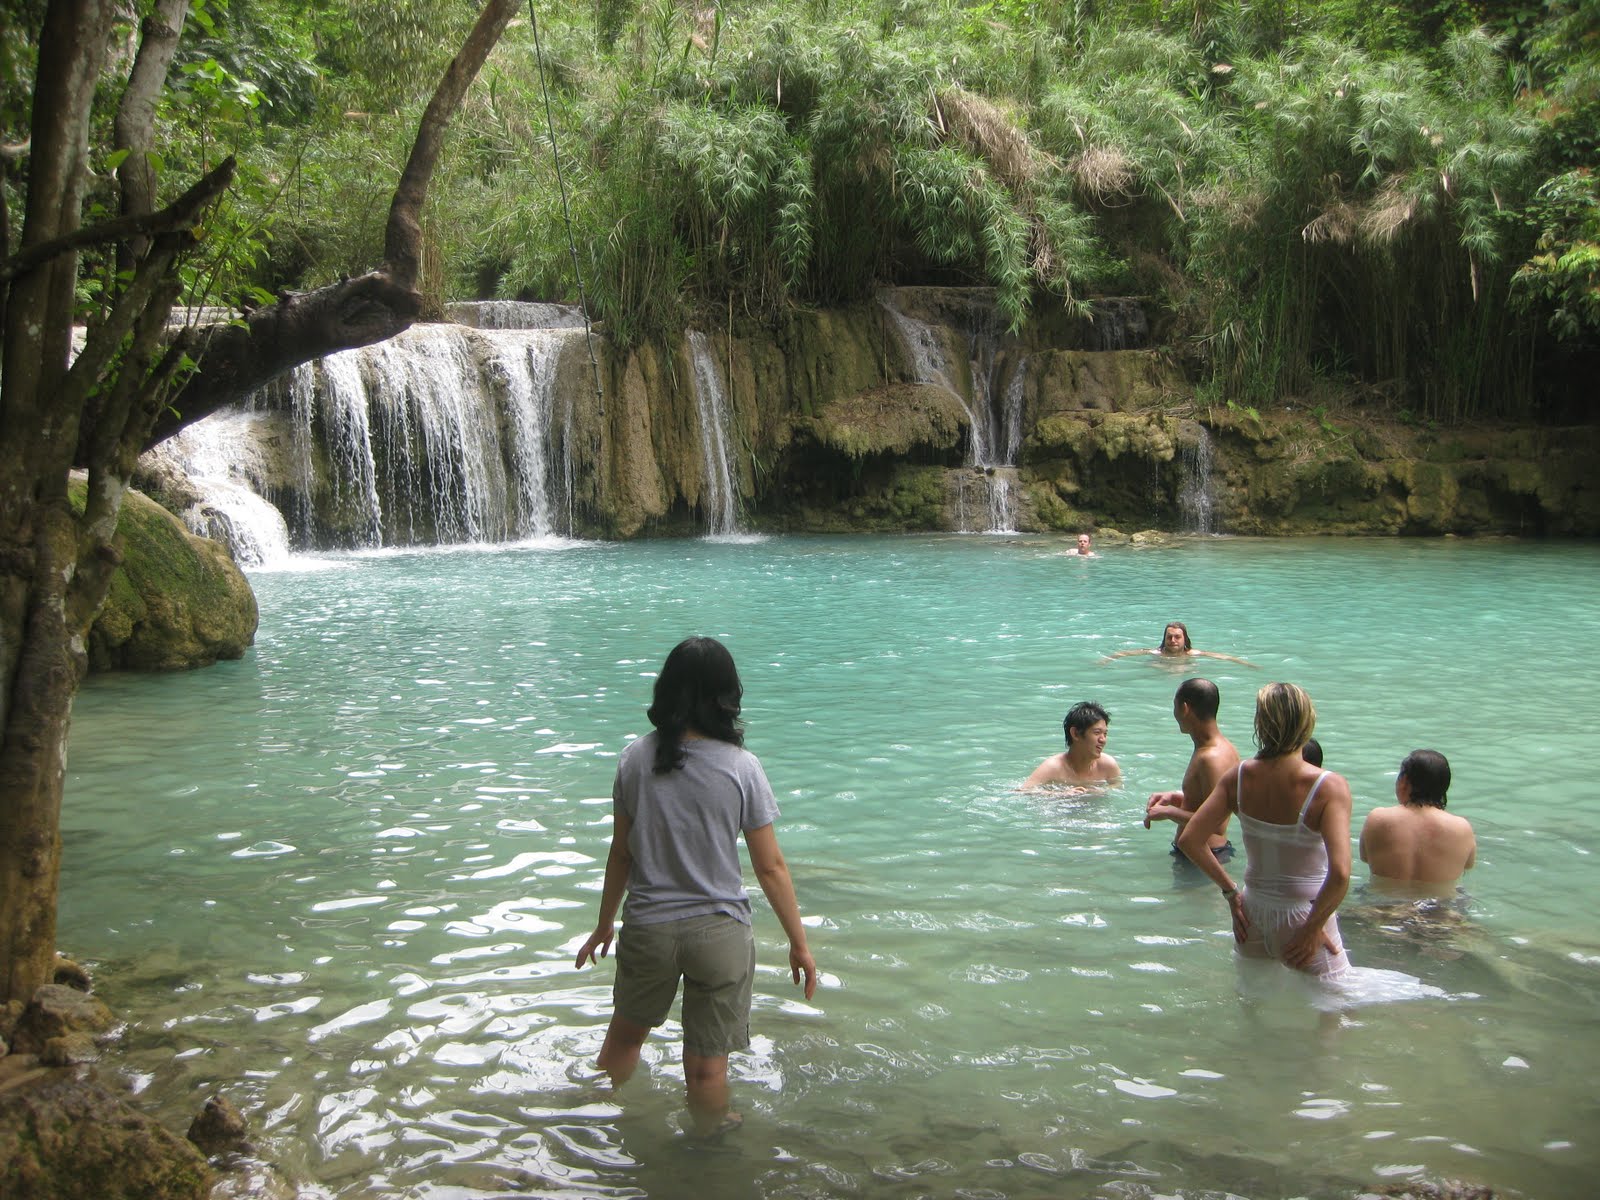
(177, 601)
(896, 419)
(63, 1137)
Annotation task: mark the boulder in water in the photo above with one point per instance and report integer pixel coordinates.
(176, 602)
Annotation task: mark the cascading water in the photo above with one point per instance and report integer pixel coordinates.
(720, 485)
(1196, 497)
(443, 434)
(224, 460)
(996, 438)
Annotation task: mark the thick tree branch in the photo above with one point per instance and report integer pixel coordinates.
(236, 359)
(402, 242)
(136, 117)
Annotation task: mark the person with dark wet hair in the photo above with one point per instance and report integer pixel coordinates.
(1195, 707)
(1176, 643)
(1312, 752)
(683, 795)
(1416, 841)
(1085, 762)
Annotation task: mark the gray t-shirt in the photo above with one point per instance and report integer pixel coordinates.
(686, 826)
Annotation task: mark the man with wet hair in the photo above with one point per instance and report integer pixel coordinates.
(1195, 707)
(1085, 762)
(1416, 841)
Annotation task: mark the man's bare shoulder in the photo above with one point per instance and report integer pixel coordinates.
(1052, 770)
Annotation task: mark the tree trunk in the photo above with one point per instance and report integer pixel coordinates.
(56, 563)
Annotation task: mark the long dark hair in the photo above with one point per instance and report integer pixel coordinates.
(698, 690)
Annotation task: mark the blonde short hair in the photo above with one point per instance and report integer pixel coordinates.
(1285, 718)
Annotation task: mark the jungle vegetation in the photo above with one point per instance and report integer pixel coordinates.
(1397, 199)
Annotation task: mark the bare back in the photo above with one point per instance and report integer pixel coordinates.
(1207, 765)
(1275, 789)
(1417, 843)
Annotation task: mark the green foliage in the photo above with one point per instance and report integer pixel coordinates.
(1378, 191)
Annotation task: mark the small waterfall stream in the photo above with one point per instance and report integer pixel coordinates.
(995, 436)
(721, 489)
(1196, 495)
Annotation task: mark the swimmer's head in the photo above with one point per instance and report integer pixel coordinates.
(1285, 718)
(1202, 697)
(1083, 543)
(1428, 774)
(1082, 717)
(1175, 638)
(1312, 752)
(699, 690)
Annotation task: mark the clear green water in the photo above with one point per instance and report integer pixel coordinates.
(343, 879)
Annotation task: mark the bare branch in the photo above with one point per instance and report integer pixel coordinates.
(180, 214)
(402, 242)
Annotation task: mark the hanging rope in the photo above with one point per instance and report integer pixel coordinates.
(566, 211)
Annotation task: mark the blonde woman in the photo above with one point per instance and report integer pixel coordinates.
(1295, 822)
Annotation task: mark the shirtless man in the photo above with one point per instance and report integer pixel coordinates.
(1085, 762)
(1416, 841)
(1084, 548)
(1195, 709)
(1175, 643)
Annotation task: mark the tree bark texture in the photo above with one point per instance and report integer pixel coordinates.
(116, 399)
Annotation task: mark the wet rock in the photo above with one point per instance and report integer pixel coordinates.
(69, 1050)
(10, 1015)
(58, 1010)
(67, 1138)
(218, 1127)
(71, 974)
(177, 601)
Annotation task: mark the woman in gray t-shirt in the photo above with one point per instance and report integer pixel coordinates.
(683, 795)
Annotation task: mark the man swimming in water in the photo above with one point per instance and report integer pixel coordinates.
(1175, 643)
(1085, 762)
(1195, 707)
(1416, 841)
(1084, 548)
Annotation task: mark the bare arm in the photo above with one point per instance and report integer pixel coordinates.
(772, 872)
(1243, 662)
(1335, 830)
(1166, 806)
(1193, 840)
(618, 864)
(1045, 772)
(1128, 654)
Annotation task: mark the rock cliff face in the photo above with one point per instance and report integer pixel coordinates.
(915, 411)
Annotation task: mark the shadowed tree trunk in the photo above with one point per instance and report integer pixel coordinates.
(117, 398)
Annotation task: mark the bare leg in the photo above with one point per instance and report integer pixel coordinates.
(707, 1079)
(619, 1055)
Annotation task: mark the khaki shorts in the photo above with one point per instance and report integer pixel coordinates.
(714, 955)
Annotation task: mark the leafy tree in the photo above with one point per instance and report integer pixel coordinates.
(131, 382)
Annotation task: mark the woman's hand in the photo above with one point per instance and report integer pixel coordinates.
(1241, 923)
(1300, 949)
(801, 963)
(599, 940)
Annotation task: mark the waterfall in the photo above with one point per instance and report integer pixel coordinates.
(514, 314)
(225, 459)
(720, 484)
(1196, 499)
(443, 434)
(996, 437)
